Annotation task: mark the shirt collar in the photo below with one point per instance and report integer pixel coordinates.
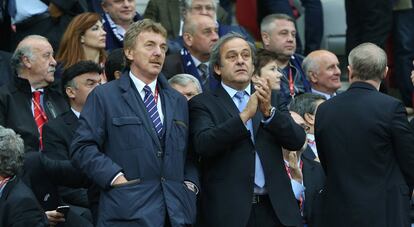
(75, 112)
(139, 84)
(197, 62)
(232, 91)
(327, 96)
(39, 89)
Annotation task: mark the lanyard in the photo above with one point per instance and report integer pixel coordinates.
(291, 84)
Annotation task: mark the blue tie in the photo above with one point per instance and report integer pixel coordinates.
(12, 8)
(259, 179)
(151, 106)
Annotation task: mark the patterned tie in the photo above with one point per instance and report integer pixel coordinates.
(151, 106)
(259, 179)
(39, 115)
(204, 74)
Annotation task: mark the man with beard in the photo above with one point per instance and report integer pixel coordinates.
(31, 98)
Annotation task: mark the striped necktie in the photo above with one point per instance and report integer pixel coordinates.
(151, 105)
(39, 115)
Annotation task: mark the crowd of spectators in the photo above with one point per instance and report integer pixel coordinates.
(179, 117)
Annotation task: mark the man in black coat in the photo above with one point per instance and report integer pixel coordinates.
(365, 146)
(244, 182)
(18, 205)
(34, 64)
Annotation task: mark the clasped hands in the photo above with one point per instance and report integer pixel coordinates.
(260, 99)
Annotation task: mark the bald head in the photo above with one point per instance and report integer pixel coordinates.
(322, 69)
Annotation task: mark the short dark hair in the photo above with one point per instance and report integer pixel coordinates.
(263, 57)
(77, 69)
(114, 62)
(305, 103)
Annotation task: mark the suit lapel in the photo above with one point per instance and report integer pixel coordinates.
(226, 101)
(70, 120)
(168, 100)
(134, 101)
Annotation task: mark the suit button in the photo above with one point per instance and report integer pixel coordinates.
(159, 154)
(162, 179)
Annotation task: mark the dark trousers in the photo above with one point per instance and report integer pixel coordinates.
(262, 214)
(367, 21)
(403, 37)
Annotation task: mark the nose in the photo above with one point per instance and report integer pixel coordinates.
(126, 3)
(214, 36)
(53, 61)
(337, 70)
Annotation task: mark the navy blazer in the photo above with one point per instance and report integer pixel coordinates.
(115, 135)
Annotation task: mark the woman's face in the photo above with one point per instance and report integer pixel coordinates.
(270, 71)
(94, 37)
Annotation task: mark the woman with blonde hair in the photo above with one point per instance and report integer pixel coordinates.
(84, 39)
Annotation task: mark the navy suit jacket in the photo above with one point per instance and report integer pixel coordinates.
(115, 135)
(19, 207)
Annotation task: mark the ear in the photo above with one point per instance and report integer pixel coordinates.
(217, 70)
(70, 92)
(313, 77)
(104, 6)
(129, 54)
(26, 62)
(188, 39)
(309, 118)
(265, 38)
(386, 72)
(350, 76)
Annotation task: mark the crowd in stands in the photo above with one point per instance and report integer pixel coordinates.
(182, 117)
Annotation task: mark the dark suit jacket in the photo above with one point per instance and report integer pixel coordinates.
(168, 14)
(228, 161)
(365, 145)
(6, 74)
(314, 182)
(116, 134)
(16, 111)
(19, 207)
(57, 137)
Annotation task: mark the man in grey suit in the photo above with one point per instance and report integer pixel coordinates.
(132, 140)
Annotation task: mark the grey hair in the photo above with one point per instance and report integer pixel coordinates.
(267, 24)
(216, 50)
(185, 6)
(310, 64)
(368, 62)
(184, 79)
(11, 152)
(23, 51)
(305, 103)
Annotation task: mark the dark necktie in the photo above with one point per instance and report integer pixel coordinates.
(259, 179)
(204, 74)
(39, 115)
(151, 105)
(12, 8)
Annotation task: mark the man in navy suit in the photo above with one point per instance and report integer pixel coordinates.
(132, 140)
(365, 145)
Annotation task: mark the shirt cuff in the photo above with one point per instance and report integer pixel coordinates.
(116, 176)
(272, 114)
